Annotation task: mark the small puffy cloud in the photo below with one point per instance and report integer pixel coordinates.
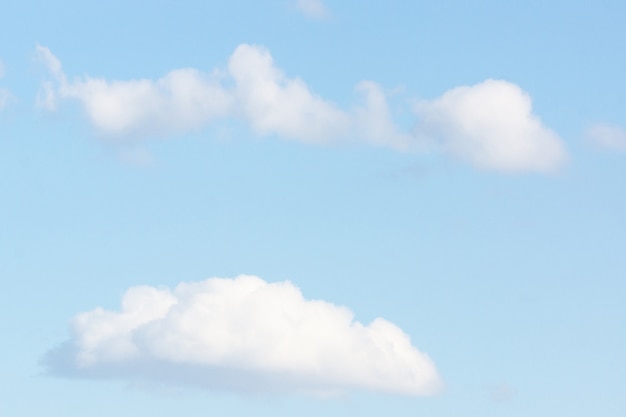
(182, 100)
(490, 125)
(242, 334)
(501, 392)
(313, 9)
(608, 136)
(275, 104)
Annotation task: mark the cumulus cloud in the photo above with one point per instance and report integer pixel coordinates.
(608, 136)
(242, 334)
(490, 125)
(182, 100)
(275, 104)
(314, 9)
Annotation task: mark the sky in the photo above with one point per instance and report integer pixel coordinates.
(313, 208)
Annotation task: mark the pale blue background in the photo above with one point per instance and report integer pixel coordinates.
(513, 282)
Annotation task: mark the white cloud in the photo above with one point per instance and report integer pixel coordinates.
(313, 9)
(243, 334)
(275, 104)
(608, 136)
(182, 100)
(374, 122)
(490, 125)
(501, 392)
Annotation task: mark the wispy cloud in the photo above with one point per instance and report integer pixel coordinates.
(490, 125)
(313, 9)
(501, 392)
(5, 95)
(275, 104)
(608, 136)
(243, 334)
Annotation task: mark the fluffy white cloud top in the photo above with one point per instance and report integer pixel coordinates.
(275, 104)
(243, 334)
(182, 100)
(608, 136)
(492, 126)
(314, 9)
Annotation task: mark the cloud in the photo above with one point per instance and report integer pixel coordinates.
(313, 9)
(5, 95)
(275, 104)
(374, 122)
(501, 392)
(182, 100)
(608, 136)
(490, 125)
(242, 334)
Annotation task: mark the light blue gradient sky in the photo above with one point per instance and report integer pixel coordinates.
(512, 283)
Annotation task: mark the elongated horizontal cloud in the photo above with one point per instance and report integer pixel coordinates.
(182, 100)
(242, 334)
(490, 125)
(608, 136)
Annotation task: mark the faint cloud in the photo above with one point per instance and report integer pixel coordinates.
(5, 96)
(246, 335)
(47, 95)
(608, 136)
(375, 121)
(490, 125)
(182, 100)
(313, 9)
(501, 393)
(137, 156)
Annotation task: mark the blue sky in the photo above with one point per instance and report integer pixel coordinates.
(305, 208)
